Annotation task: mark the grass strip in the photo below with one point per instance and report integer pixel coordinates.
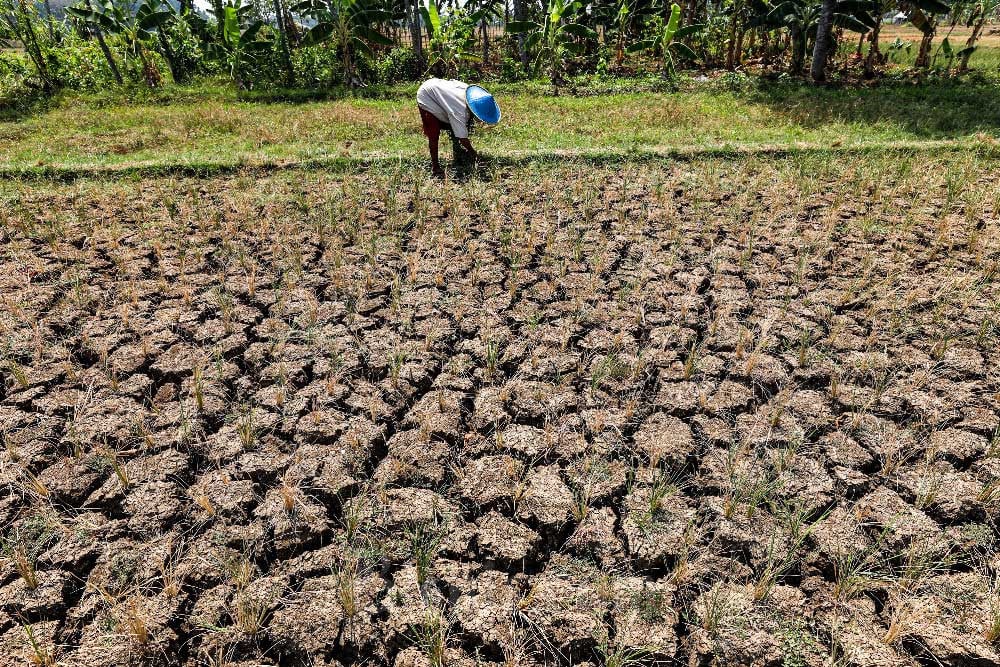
(506, 159)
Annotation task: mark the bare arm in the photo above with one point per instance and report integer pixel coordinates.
(467, 145)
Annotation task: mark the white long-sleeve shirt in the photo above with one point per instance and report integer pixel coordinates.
(445, 99)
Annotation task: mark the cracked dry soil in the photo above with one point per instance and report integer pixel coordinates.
(699, 413)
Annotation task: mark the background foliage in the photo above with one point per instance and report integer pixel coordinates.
(329, 44)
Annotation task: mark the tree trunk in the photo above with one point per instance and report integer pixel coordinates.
(108, 55)
(522, 50)
(874, 56)
(798, 46)
(924, 53)
(293, 35)
(731, 48)
(286, 53)
(105, 50)
(415, 34)
(30, 42)
(49, 22)
(176, 72)
(963, 63)
(824, 41)
(486, 42)
(220, 20)
(238, 76)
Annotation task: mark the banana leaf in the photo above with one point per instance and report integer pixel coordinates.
(318, 34)
(688, 30)
(673, 23)
(853, 7)
(517, 27)
(685, 50)
(641, 45)
(432, 17)
(153, 20)
(579, 30)
(373, 35)
(850, 23)
(932, 6)
(920, 21)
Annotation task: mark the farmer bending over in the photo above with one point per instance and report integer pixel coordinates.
(454, 105)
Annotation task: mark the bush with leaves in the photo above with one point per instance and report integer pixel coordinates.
(315, 66)
(351, 25)
(801, 18)
(78, 64)
(557, 38)
(139, 27)
(21, 22)
(14, 69)
(189, 56)
(511, 68)
(241, 46)
(665, 40)
(452, 39)
(399, 64)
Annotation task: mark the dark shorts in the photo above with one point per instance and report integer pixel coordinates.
(461, 156)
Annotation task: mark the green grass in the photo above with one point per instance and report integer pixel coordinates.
(986, 58)
(207, 125)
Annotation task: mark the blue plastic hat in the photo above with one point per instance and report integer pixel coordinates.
(482, 104)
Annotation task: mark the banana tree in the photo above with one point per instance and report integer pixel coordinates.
(665, 41)
(623, 17)
(18, 18)
(875, 58)
(240, 44)
(481, 13)
(859, 16)
(923, 15)
(801, 18)
(95, 21)
(286, 51)
(556, 37)
(983, 12)
(351, 24)
(137, 26)
(451, 39)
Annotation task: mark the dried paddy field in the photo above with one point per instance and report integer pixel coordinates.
(699, 412)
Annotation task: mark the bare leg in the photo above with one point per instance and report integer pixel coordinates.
(432, 130)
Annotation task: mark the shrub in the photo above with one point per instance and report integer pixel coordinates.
(511, 70)
(399, 64)
(189, 54)
(13, 72)
(316, 66)
(78, 64)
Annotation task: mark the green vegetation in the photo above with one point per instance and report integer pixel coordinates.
(206, 126)
(321, 45)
